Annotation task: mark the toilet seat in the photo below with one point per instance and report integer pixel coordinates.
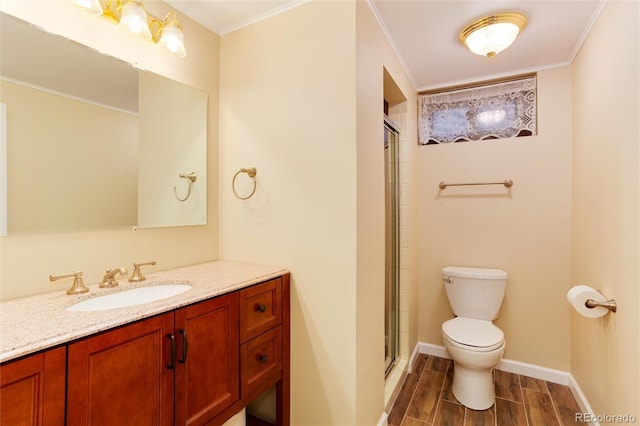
(472, 334)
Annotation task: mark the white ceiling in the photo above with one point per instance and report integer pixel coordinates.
(223, 16)
(425, 32)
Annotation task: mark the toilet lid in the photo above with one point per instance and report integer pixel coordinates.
(473, 332)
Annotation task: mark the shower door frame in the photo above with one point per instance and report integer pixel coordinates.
(392, 247)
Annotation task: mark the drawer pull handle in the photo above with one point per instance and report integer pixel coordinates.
(185, 346)
(262, 358)
(261, 308)
(172, 363)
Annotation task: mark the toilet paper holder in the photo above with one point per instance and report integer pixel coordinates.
(609, 304)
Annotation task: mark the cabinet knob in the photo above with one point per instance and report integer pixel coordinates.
(261, 308)
(262, 358)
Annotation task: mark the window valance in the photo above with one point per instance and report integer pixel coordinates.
(494, 111)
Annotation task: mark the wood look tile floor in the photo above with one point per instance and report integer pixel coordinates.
(426, 399)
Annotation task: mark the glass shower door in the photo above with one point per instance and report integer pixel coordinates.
(392, 245)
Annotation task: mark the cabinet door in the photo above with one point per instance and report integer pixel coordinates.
(123, 376)
(32, 389)
(207, 378)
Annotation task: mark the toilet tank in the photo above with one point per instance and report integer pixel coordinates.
(473, 292)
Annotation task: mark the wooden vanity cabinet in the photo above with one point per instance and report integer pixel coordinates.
(32, 389)
(182, 363)
(196, 365)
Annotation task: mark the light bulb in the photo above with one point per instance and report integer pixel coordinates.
(172, 40)
(492, 39)
(134, 21)
(92, 7)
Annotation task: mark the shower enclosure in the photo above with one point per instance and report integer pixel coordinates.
(392, 244)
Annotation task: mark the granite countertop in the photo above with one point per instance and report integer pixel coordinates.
(30, 324)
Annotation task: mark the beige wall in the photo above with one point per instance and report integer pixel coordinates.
(288, 109)
(605, 358)
(49, 133)
(27, 261)
(374, 55)
(525, 230)
(301, 98)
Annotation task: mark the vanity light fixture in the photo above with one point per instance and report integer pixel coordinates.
(170, 36)
(490, 35)
(132, 18)
(92, 7)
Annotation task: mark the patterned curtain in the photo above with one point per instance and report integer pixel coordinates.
(495, 111)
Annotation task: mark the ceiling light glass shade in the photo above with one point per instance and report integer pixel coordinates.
(134, 20)
(92, 7)
(172, 40)
(491, 35)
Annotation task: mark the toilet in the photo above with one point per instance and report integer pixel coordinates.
(473, 342)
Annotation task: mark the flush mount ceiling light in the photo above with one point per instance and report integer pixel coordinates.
(132, 19)
(491, 35)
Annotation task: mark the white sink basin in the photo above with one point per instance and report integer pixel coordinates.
(135, 296)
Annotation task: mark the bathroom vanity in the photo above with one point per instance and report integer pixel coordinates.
(195, 358)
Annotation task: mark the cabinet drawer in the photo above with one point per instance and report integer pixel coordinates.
(261, 361)
(260, 308)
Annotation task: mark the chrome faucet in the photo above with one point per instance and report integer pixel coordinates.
(78, 286)
(137, 276)
(109, 277)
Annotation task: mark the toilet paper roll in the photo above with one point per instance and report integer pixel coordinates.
(578, 296)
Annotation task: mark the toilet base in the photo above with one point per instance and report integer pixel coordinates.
(474, 388)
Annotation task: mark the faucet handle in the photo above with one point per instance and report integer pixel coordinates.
(77, 287)
(136, 275)
(109, 277)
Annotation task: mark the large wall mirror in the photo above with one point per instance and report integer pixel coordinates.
(93, 143)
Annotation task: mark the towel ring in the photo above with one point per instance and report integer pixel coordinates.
(252, 174)
(191, 177)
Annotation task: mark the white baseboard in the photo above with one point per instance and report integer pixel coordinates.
(510, 366)
(537, 372)
(435, 350)
(414, 354)
(580, 398)
(383, 420)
